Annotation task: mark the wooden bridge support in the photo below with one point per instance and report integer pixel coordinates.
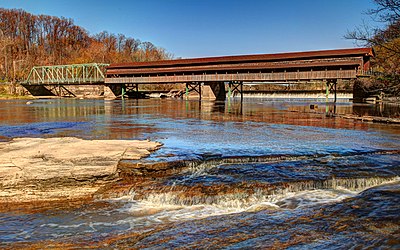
(331, 86)
(123, 90)
(132, 87)
(217, 88)
(194, 86)
(235, 86)
(131, 90)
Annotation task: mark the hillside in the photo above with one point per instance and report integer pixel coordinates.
(27, 40)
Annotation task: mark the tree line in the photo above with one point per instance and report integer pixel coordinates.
(27, 40)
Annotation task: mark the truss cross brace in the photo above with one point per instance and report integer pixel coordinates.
(235, 86)
(194, 86)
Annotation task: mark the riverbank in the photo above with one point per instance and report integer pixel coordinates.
(8, 96)
(58, 169)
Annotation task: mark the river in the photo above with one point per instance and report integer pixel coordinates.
(263, 174)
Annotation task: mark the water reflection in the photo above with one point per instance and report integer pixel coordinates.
(380, 109)
(127, 119)
(359, 109)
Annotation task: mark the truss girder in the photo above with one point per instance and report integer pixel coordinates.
(90, 73)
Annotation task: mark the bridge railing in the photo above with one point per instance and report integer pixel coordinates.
(89, 73)
(371, 73)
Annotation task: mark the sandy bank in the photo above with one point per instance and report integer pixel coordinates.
(34, 169)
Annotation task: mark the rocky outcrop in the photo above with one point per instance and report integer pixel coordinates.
(34, 169)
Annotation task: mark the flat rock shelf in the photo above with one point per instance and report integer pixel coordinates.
(35, 169)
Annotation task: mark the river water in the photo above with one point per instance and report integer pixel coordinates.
(262, 174)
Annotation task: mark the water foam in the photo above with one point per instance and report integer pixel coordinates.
(157, 208)
(243, 199)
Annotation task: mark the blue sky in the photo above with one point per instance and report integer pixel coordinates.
(198, 28)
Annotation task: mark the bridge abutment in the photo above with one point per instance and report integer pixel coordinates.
(217, 91)
(113, 91)
(38, 90)
(65, 91)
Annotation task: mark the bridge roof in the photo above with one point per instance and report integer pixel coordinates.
(229, 67)
(341, 53)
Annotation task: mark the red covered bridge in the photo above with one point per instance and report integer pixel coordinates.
(326, 65)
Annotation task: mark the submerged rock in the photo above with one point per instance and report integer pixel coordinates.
(59, 168)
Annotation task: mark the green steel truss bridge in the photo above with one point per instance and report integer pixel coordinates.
(74, 74)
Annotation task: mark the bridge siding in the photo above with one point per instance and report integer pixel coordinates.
(245, 77)
(236, 67)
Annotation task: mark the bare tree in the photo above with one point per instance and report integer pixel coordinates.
(388, 13)
(385, 39)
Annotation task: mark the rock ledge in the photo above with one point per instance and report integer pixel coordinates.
(33, 169)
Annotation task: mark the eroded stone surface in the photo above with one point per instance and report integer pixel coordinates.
(38, 168)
